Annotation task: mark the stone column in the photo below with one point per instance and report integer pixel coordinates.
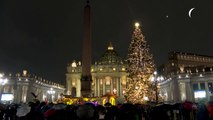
(40, 95)
(111, 85)
(170, 92)
(26, 93)
(98, 87)
(189, 93)
(176, 92)
(192, 92)
(29, 96)
(95, 86)
(120, 87)
(78, 87)
(207, 91)
(18, 94)
(69, 86)
(117, 86)
(104, 85)
(9, 89)
(1, 90)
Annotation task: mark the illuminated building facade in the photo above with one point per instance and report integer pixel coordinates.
(108, 75)
(187, 77)
(25, 87)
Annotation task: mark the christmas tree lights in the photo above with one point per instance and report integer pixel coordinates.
(141, 68)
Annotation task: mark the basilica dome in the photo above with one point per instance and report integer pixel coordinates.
(110, 57)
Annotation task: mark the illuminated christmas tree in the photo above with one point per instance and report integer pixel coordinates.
(141, 68)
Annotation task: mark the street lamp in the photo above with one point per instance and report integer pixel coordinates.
(155, 80)
(51, 92)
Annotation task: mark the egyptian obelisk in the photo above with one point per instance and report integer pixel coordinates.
(86, 77)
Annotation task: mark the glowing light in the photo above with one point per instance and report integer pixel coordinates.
(73, 83)
(146, 98)
(107, 82)
(3, 81)
(79, 63)
(7, 97)
(74, 64)
(200, 94)
(114, 69)
(44, 97)
(114, 91)
(161, 78)
(110, 47)
(152, 79)
(158, 79)
(51, 91)
(1, 75)
(24, 72)
(137, 24)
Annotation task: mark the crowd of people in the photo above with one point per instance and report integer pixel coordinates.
(88, 111)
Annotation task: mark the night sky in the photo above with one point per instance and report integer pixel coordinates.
(43, 36)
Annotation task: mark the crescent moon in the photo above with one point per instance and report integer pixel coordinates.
(190, 12)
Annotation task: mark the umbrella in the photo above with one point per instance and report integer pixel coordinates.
(59, 106)
(90, 104)
(49, 113)
(127, 107)
(210, 108)
(101, 108)
(85, 111)
(107, 104)
(187, 105)
(2, 106)
(23, 110)
(166, 106)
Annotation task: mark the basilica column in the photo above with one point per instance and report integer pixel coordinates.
(95, 86)
(176, 92)
(189, 93)
(104, 86)
(170, 92)
(98, 87)
(120, 87)
(78, 87)
(18, 94)
(111, 85)
(117, 86)
(207, 91)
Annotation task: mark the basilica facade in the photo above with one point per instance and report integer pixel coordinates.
(109, 75)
